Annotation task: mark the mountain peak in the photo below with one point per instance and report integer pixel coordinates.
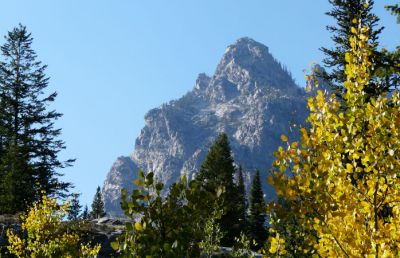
(251, 98)
(250, 44)
(245, 50)
(248, 61)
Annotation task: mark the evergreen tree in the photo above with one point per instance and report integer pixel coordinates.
(392, 58)
(242, 202)
(74, 207)
(98, 205)
(346, 12)
(257, 214)
(85, 214)
(395, 10)
(217, 172)
(29, 143)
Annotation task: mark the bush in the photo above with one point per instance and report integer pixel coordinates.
(45, 236)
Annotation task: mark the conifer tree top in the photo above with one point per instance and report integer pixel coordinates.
(29, 143)
(219, 162)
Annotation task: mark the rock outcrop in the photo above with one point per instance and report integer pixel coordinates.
(251, 97)
(121, 175)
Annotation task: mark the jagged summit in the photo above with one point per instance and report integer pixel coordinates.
(245, 51)
(246, 67)
(248, 64)
(251, 98)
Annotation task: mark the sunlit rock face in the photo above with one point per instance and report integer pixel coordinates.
(251, 97)
(121, 175)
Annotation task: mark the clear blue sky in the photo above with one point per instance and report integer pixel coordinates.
(112, 61)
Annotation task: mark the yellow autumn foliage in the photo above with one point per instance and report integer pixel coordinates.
(44, 235)
(346, 168)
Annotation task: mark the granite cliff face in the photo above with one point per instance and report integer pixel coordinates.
(121, 175)
(251, 98)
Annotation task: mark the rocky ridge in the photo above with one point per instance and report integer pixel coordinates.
(251, 97)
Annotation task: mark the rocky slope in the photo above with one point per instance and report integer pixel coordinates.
(251, 97)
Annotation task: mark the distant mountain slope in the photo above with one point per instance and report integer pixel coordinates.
(251, 97)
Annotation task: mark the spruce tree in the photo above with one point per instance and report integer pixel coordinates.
(257, 214)
(85, 214)
(29, 143)
(74, 207)
(392, 58)
(242, 202)
(346, 12)
(216, 172)
(98, 205)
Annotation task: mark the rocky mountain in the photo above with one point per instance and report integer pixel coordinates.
(251, 97)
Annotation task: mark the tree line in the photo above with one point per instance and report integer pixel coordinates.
(197, 217)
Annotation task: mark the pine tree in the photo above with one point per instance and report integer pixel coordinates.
(74, 207)
(242, 202)
(216, 172)
(29, 143)
(98, 205)
(85, 214)
(345, 12)
(257, 214)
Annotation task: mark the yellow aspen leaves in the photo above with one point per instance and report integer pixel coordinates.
(344, 174)
(45, 236)
(138, 226)
(277, 246)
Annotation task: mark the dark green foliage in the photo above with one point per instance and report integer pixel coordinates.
(257, 228)
(391, 71)
(287, 225)
(242, 202)
(395, 10)
(29, 143)
(74, 207)
(98, 205)
(167, 227)
(344, 12)
(85, 214)
(16, 180)
(217, 171)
